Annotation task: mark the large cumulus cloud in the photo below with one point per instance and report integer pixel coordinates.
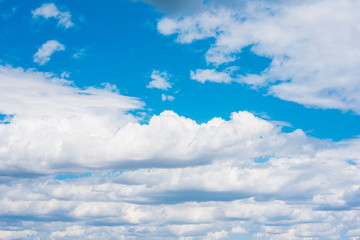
(168, 178)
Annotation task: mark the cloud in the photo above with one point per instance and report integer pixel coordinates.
(49, 10)
(80, 53)
(43, 54)
(313, 46)
(168, 178)
(211, 75)
(167, 97)
(160, 80)
(272, 200)
(66, 128)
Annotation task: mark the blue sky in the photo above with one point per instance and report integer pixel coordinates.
(179, 119)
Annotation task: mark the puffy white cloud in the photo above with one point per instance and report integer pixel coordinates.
(43, 54)
(160, 80)
(175, 178)
(49, 10)
(64, 130)
(313, 46)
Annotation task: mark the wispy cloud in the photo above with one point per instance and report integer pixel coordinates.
(165, 97)
(49, 10)
(79, 53)
(44, 53)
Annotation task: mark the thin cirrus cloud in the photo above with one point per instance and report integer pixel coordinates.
(313, 46)
(42, 56)
(49, 10)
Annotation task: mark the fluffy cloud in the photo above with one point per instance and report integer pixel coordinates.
(49, 10)
(169, 178)
(160, 80)
(44, 53)
(313, 46)
(278, 199)
(66, 129)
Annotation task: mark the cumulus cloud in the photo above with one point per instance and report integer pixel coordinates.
(44, 53)
(278, 199)
(160, 80)
(168, 178)
(49, 10)
(313, 46)
(65, 128)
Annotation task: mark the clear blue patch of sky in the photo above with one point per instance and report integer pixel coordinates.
(262, 159)
(119, 44)
(71, 176)
(5, 119)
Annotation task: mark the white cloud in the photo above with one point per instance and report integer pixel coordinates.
(186, 180)
(160, 80)
(80, 53)
(49, 10)
(211, 75)
(167, 97)
(66, 128)
(44, 53)
(24, 234)
(313, 45)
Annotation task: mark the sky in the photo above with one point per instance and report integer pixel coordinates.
(169, 119)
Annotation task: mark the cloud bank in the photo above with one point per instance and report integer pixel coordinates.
(169, 178)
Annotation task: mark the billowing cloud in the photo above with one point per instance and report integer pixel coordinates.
(49, 10)
(66, 128)
(160, 80)
(44, 53)
(313, 45)
(78, 163)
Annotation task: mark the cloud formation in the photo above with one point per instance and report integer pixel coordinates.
(313, 46)
(211, 75)
(160, 80)
(169, 178)
(49, 10)
(44, 53)
(167, 97)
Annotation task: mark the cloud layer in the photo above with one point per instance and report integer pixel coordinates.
(169, 178)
